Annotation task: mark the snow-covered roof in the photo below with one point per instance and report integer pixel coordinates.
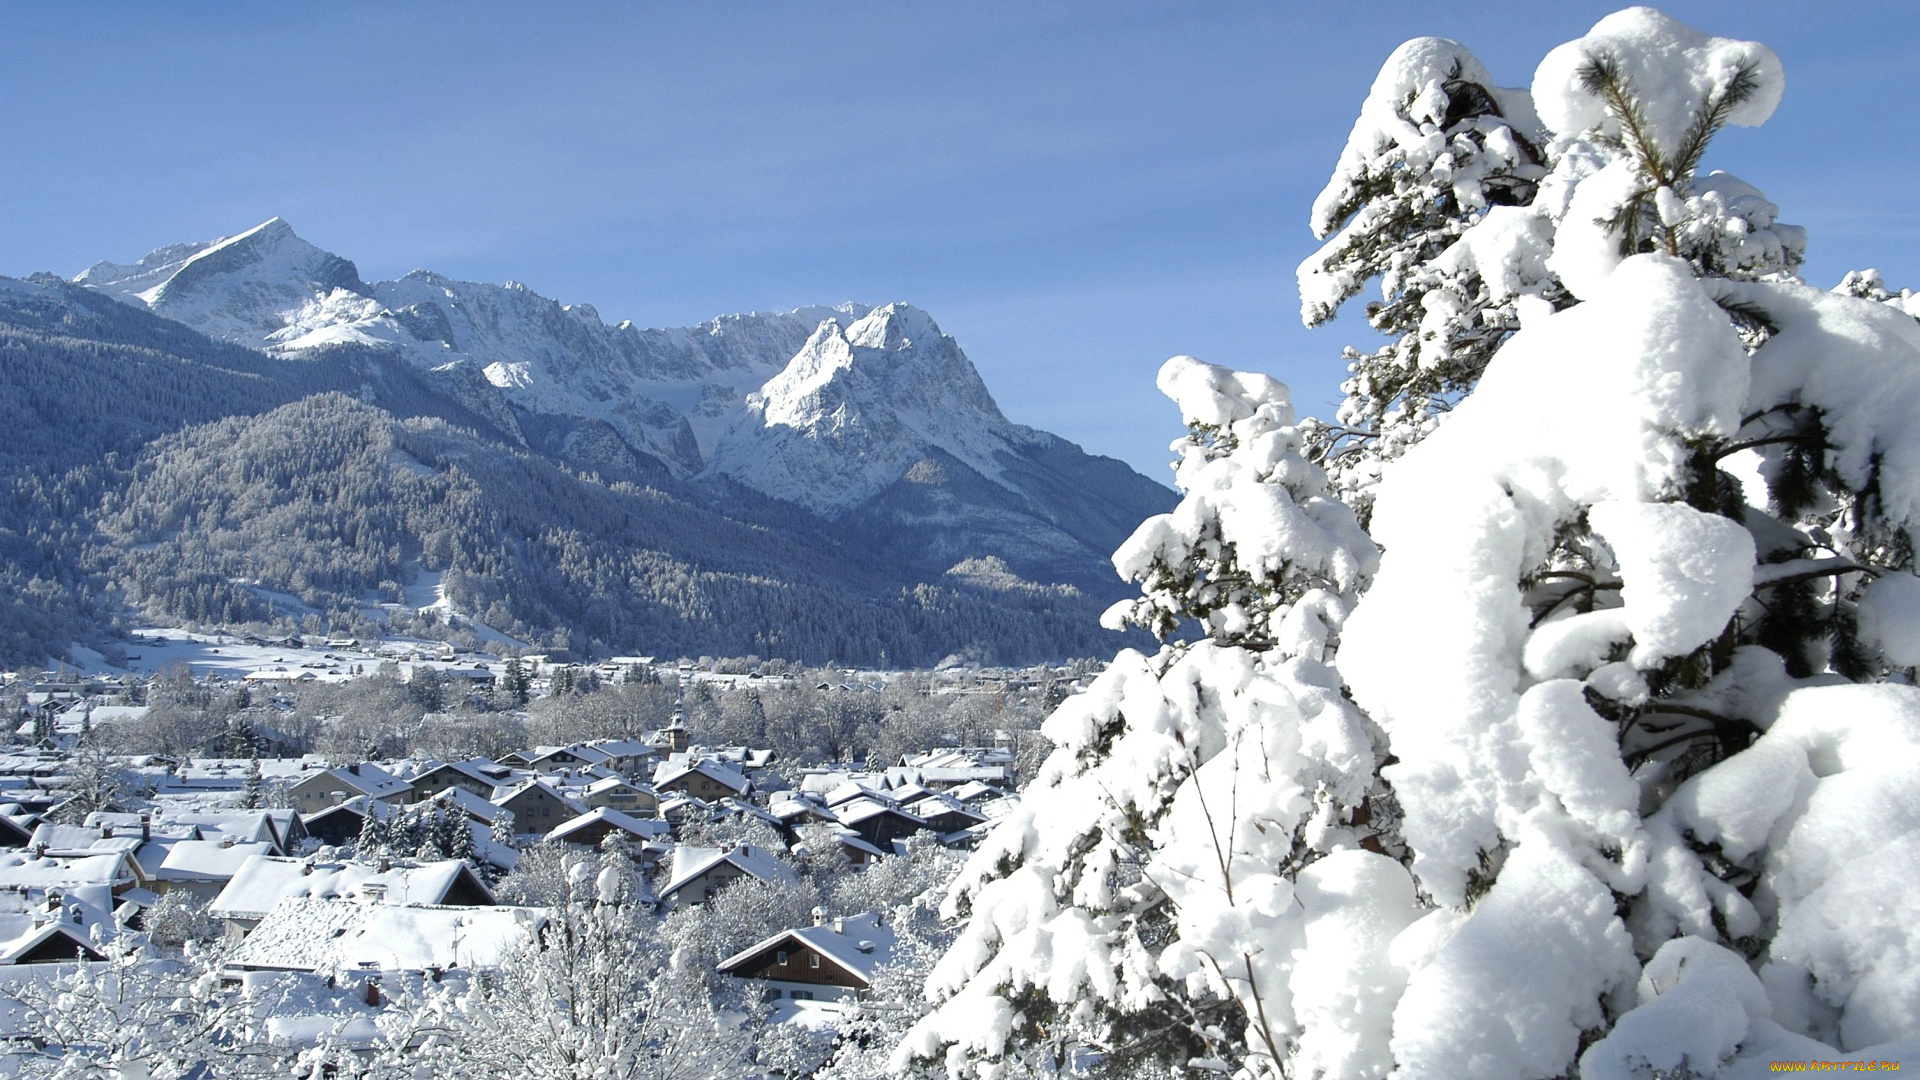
(66, 839)
(857, 789)
(860, 945)
(31, 936)
(850, 839)
(743, 808)
(691, 862)
(642, 828)
(791, 807)
(588, 753)
(935, 805)
(253, 826)
(504, 795)
(25, 871)
(609, 783)
(304, 933)
(468, 803)
(207, 860)
(850, 813)
(367, 780)
(623, 747)
(479, 770)
(265, 880)
(707, 767)
(973, 789)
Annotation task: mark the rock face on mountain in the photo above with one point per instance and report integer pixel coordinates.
(871, 419)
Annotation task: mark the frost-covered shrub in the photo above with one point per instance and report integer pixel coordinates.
(1612, 769)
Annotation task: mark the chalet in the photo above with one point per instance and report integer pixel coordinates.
(742, 809)
(342, 824)
(536, 807)
(335, 786)
(478, 776)
(628, 757)
(616, 794)
(596, 825)
(72, 841)
(857, 851)
(551, 759)
(945, 816)
(703, 779)
(794, 811)
(854, 789)
(828, 961)
(265, 880)
(700, 873)
(680, 808)
(878, 823)
(973, 791)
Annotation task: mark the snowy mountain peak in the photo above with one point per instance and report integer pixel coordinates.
(858, 406)
(242, 288)
(894, 359)
(894, 326)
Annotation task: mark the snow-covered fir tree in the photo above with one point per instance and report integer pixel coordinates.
(1144, 897)
(1634, 789)
(1452, 191)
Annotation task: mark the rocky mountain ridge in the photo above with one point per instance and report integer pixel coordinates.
(848, 412)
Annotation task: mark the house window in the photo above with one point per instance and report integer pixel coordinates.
(813, 960)
(803, 995)
(782, 954)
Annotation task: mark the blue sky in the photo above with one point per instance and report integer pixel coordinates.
(1074, 191)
